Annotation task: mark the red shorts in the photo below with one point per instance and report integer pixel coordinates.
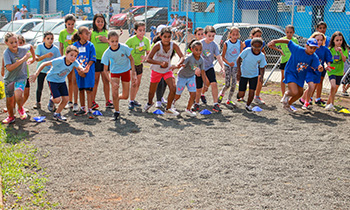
(125, 76)
(156, 77)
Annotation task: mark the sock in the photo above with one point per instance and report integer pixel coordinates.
(90, 110)
(83, 108)
(215, 104)
(301, 99)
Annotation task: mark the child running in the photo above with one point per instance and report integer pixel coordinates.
(250, 67)
(45, 51)
(87, 59)
(15, 65)
(160, 58)
(119, 59)
(140, 46)
(296, 68)
(65, 39)
(193, 65)
(339, 52)
(56, 76)
(98, 37)
(230, 52)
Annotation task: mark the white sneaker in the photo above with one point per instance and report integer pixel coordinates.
(190, 113)
(164, 102)
(69, 105)
(75, 107)
(158, 104)
(147, 107)
(258, 100)
(283, 98)
(329, 107)
(171, 112)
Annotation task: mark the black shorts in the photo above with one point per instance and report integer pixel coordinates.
(139, 69)
(99, 66)
(28, 83)
(58, 89)
(323, 73)
(283, 66)
(244, 81)
(210, 75)
(337, 79)
(87, 89)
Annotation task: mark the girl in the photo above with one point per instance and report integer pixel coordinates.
(285, 52)
(140, 48)
(232, 48)
(65, 39)
(295, 70)
(314, 77)
(256, 33)
(193, 65)
(339, 52)
(160, 58)
(198, 35)
(86, 58)
(100, 41)
(247, 71)
(56, 76)
(118, 57)
(45, 51)
(15, 79)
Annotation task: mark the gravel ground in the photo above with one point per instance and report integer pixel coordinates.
(230, 160)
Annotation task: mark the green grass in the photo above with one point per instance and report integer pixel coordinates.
(272, 92)
(23, 180)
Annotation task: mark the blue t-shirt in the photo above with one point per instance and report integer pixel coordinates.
(251, 63)
(118, 59)
(232, 51)
(248, 43)
(328, 40)
(41, 50)
(59, 70)
(87, 53)
(208, 52)
(19, 73)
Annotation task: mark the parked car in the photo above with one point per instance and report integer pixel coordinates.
(119, 20)
(155, 16)
(18, 27)
(56, 31)
(220, 30)
(270, 32)
(42, 27)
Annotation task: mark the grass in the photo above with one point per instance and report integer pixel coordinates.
(23, 180)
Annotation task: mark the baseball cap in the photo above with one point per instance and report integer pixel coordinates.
(160, 27)
(312, 42)
(153, 28)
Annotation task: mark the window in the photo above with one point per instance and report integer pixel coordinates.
(338, 6)
(27, 27)
(175, 5)
(139, 11)
(300, 8)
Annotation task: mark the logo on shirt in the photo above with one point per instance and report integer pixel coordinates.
(82, 60)
(301, 67)
(235, 51)
(194, 67)
(206, 53)
(63, 73)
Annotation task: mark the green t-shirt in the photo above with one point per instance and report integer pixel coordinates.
(66, 39)
(138, 47)
(100, 47)
(285, 49)
(338, 64)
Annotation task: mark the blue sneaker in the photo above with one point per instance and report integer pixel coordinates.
(51, 106)
(131, 105)
(59, 117)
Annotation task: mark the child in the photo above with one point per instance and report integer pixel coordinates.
(160, 58)
(339, 52)
(295, 70)
(314, 77)
(198, 35)
(15, 58)
(100, 41)
(210, 50)
(322, 28)
(119, 59)
(193, 64)
(56, 76)
(87, 59)
(65, 39)
(140, 48)
(285, 53)
(153, 33)
(231, 50)
(22, 42)
(45, 51)
(256, 33)
(248, 63)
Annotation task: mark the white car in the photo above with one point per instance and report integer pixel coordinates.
(220, 30)
(39, 29)
(56, 31)
(18, 27)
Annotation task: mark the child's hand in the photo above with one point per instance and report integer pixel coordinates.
(180, 65)
(197, 72)
(164, 64)
(232, 64)
(27, 56)
(87, 68)
(338, 49)
(143, 58)
(282, 53)
(49, 55)
(30, 61)
(205, 88)
(320, 68)
(2, 71)
(329, 68)
(103, 39)
(32, 78)
(172, 68)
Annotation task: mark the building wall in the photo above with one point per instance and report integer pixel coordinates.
(156, 3)
(126, 3)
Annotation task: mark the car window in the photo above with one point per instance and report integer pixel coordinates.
(220, 30)
(27, 27)
(139, 11)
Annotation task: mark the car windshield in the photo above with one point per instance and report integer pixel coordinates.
(8, 27)
(47, 26)
(151, 12)
(58, 29)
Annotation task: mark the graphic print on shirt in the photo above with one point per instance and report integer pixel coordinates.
(206, 53)
(301, 67)
(63, 73)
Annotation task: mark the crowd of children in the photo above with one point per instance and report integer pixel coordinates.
(84, 56)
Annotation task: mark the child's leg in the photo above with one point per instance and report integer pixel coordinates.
(161, 89)
(115, 92)
(191, 100)
(242, 87)
(250, 96)
(227, 80)
(294, 91)
(19, 98)
(135, 88)
(309, 91)
(40, 86)
(319, 88)
(97, 81)
(10, 101)
(70, 77)
(63, 100)
(258, 87)
(82, 98)
(283, 85)
(75, 89)
(89, 96)
(26, 92)
(214, 91)
(234, 82)
(152, 90)
(253, 83)
(125, 91)
(106, 86)
(199, 86)
(172, 90)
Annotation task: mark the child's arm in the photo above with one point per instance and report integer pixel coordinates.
(261, 74)
(219, 58)
(179, 53)
(223, 54)
(343, 57)
(41, 67)
(33, 55)
(105, 72)
(47, 55)
(87, 67)
(242, 46)
(133, 71)
(275, 48)
(205, 80)
(61, 48)
(11, 67)
(2, 67)
(239, 73)
(150, 59)
(275, 41)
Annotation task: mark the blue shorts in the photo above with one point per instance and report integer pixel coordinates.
(58, 89)
(182, 82)
(313, 76)
(295, 77)
(337, 79)
(10, 87)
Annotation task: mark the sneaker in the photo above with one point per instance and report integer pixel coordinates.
(115, 116)
(310, 102)
(109, 104)
(131, 105)
(190, 113)
(137, 104)
(147, 107)
(171, 112)
(220, 98)
(75, 108)
(293, 109)
(90, 115)
(14, 110)
(249, 108)
(37, 105)
(203, 99)
(345, 93)
(158, 104)
(80, 112)
(22, 114)
(69, 105)
(320, 102)
(240, 99)
(195, 107)
(94, 105)
(283, 98)
(258, 100)
(306, 106)
(8, 120)
(164, 102)
(230, 104)
(216, 108)
(59, 117)
(302, 101)
(51, 106)
(329, 107)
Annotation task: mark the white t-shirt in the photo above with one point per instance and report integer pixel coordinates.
(18, 16)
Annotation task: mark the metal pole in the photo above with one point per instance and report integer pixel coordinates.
(146, 14)
(186, 44)
(293, 12)
(233, 12)
(273, 69)
(44, 2)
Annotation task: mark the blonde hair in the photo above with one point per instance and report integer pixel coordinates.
(319, 34)
(8, 35)
(71, 48)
